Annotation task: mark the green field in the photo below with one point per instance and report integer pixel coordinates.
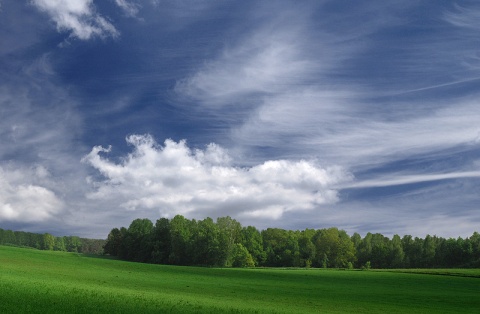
(33, 281)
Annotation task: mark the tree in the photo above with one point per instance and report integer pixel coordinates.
(59, 244)
(428, 251)
(9, 237)
(206, 248)
(21, 238)
(138, 240)
(379, 256)
(335, 246)
(281, 247)
(161, 241)
(229, 234)
(306, 249)
(73, 244)
(252, 240)
(48, 242)
(346, 250)
(364, 250)
(475, 243)
(114, 242)
(241, 257)
(397, 255)
(180, 235)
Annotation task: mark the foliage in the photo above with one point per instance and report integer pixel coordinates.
(49, 242)
(181, 241)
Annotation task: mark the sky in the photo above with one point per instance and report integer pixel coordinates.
(314, 114)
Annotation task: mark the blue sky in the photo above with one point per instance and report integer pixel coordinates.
(359, 115)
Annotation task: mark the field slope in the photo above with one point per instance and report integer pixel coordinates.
(34, 281)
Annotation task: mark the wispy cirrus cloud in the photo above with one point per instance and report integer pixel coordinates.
(266, 61)
(78, 17)
(255, 67)
(463, 16)
(129, 8)
(392, 180)
(292, 101)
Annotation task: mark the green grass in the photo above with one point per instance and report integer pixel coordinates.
(461, 272)
(56, 282)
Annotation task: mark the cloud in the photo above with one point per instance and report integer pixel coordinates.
(256, 68)
(281, 87)
(464, 17)
(336, 127)
(41, 177)
(175, 179)
(265, 61)
(130, 9)
(78, 17)
(409, 179)
(22, 201)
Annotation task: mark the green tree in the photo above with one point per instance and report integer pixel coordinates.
(162, 246)
(334, 244)
(9, 237)
(428, 252)
(138, 239)
(59, 244)
(229, 234)
(21, 238)
(364, 251)
(281, 247)
(306, 249)
(48, 242)
(206, 248)
(241, 257)
(73, 244)
(380, 253)
(397, 255)
(113, 243)
(180, 235)
(252, 240)
(475, 243)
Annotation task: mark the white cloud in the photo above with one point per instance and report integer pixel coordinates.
(79, 17)
(22, 201)
(130, 9)
(464, 17)
(409, 179)
(265, 61)
(282, 80)
(258, 68)
(175, 179)
(335, 127)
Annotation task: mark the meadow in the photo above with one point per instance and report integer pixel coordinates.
(33, 281)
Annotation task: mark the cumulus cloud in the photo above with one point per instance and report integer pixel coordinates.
(176, 179)
(22, 201)
(78, 17)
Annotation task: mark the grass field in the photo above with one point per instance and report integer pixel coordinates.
(34, 281)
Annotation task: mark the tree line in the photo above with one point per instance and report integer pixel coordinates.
(225, 243)
(46, 241)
